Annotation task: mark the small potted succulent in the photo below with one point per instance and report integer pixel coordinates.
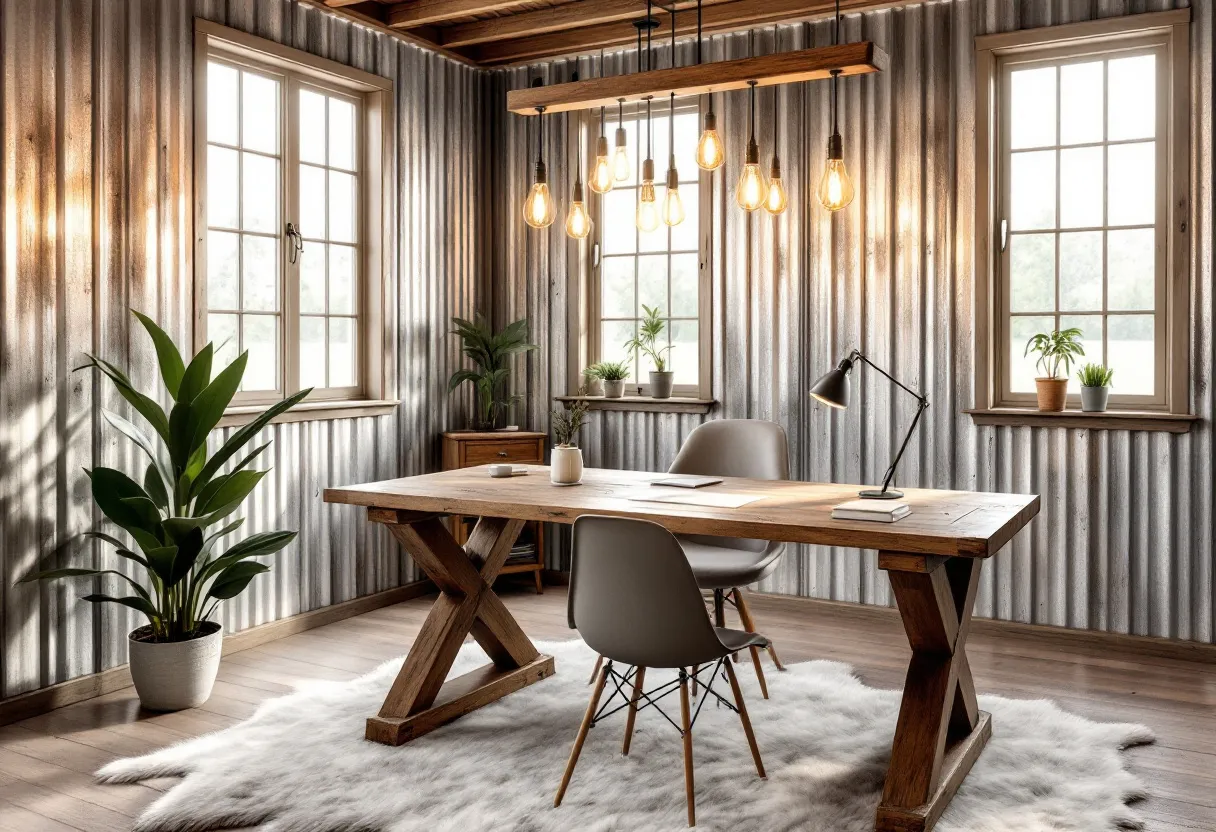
(566, 464)
(1095, 387)
(167, 511)
(646, 342)
(1060, 347)
(613, 375)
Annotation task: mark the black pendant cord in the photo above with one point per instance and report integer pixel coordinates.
(649, 29)
(835, 73)
(752, 111)
(673, 37)
(649, 130)
(540, 136)
(671, 130)
(776, 119)
(698, 32)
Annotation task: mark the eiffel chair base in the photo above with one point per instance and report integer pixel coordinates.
(629, 687)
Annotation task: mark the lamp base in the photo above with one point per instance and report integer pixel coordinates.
(875, 494)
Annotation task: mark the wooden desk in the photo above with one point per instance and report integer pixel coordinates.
(933, 558)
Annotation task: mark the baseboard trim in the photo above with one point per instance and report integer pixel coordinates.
(36, 702)
(1162, 648)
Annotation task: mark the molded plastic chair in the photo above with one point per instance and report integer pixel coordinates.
(635, 601)
(751, 448)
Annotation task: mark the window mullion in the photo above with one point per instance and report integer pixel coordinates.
(290, 201)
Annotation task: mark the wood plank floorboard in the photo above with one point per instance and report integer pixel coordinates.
(46, 762)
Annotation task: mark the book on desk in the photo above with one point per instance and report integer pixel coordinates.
(876, 511)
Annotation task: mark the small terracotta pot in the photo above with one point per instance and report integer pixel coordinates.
(1052, 392)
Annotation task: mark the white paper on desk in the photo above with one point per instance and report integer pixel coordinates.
(715, 499)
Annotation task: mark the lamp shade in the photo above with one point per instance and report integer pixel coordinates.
(833, 386)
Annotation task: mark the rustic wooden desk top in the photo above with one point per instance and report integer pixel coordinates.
(967, 523)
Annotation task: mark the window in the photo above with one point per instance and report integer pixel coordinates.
(665, 269)
(1082, 139)
(291, 178)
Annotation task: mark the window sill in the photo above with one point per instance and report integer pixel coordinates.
(675, 404)
(310, 411)
(1110, 420)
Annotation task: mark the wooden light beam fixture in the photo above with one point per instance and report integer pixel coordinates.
(766, 70)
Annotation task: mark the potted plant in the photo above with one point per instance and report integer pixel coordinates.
(491, 353)
(566, 465)
(1095, 387)
(1060, 347)
(661, 378)
(168, 514)
(613, 375)
(591, 381)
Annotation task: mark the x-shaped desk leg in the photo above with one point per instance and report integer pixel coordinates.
(420, 701)
(940, 731)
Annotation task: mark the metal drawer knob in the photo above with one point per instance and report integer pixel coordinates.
(502, 453)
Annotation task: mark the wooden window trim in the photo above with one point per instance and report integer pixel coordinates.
(1172, 28)
(377, 388)
(583, 320)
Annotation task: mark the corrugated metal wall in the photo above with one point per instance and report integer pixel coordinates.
(1124, 540)
(96, 176)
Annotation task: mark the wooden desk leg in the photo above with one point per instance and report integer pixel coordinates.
(419, 700)
(940, 732)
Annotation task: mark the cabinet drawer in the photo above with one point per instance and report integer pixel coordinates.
(481, 453)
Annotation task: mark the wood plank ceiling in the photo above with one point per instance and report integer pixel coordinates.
(502, 32)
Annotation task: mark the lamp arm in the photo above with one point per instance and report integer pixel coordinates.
(922, 405)
(858, 355)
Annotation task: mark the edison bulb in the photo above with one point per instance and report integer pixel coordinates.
(711, 153)
(751, 190)
(620, 159)
(578, 222)
(673, 207)
(776, 200)
(538, 207)
(601, 173)
(835, 188)
(648, 209)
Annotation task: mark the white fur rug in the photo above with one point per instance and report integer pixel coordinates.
(300, 764)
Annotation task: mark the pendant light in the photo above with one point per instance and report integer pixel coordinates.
(835, 187)
(711, 153)
(621, 170)
(673, 206)
(578, 221)
(538, 207)
(751, 190)
(647, 218)
(601, 176)
(776, 199)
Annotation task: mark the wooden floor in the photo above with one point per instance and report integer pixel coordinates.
(46, 762)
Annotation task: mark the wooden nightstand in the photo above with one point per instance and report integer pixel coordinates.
(465, 449)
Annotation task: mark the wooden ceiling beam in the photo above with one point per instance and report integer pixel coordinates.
(375, 15)
(721, 17)
(556, 19)
(337, 4)
(856, 58)
(413, 13)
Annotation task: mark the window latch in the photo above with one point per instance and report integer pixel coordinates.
(1004, 235)
(295, 242)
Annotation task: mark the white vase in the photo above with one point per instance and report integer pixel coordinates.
(614, 388)
(566, 466)
(171, 676)
(661, 383)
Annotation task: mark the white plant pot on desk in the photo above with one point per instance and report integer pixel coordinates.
(566, 466)
(174, 675)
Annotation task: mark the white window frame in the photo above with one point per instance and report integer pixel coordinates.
(375, 390)
(585, 328)
(1165, 33)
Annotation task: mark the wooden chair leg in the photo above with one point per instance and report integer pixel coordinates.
(759, 671)
(749, 624)
(595, 671)
(747, 723)
(686, 720)
(638, 680)
(582, 736)
(696, 669)
(540, 587)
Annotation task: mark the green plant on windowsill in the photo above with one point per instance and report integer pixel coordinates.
(1055, 348)
(609, 370)
(647, 343)
(1095, 387)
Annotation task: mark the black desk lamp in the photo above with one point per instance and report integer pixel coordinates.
(833, 390)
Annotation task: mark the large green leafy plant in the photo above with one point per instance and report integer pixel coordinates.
(491, 354)
(1061, 346)
(183, 493)
(647, 339)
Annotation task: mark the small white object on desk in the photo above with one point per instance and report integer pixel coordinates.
(713, 499)
(498, 471)
(687, 482)
(878, 511)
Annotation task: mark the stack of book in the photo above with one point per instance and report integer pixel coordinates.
(879, 511)
(522, 553)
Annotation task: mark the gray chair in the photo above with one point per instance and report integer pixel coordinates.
(635, 601)
(750, 448)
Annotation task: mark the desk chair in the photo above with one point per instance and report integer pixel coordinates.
(634, 600)
(751, 448)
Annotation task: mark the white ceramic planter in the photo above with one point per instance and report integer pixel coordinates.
(661, 384)
(614, 388)
(1094, 399)
(175, 675)
(594, 385)
(566, 466)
